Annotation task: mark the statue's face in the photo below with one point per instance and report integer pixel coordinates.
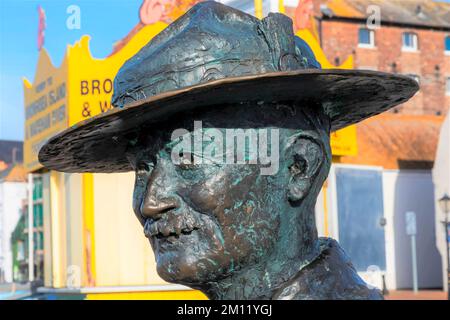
(206, 221)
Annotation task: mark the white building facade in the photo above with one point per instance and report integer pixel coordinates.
(441, 180)
(365, 207)
(12, 194)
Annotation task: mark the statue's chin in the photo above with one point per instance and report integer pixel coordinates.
(189, 274)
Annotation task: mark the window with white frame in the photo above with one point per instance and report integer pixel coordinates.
(409, 41)
(366, 38)
(20, 250)
(447, 44)
(447, 86)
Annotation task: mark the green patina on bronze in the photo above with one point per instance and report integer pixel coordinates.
(226, 229)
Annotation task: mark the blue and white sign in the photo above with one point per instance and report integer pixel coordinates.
(411, 229)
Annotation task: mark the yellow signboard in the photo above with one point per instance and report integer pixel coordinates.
(343, 142)
(45, 107)
(80, 88)
(91, 80)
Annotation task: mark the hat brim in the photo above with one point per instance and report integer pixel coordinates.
(98, 144)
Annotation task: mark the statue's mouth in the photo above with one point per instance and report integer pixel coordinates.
(172, 226)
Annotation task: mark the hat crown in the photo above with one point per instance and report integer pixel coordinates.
(210, 42)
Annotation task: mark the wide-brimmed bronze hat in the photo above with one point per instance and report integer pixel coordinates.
(211, 56)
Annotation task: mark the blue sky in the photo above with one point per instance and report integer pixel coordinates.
(106, 21)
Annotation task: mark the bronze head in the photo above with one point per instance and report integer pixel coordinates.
(233, 229)
(212, 224)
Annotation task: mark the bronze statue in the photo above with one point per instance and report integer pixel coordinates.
(231, 230)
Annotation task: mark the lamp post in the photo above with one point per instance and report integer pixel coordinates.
(444, 204)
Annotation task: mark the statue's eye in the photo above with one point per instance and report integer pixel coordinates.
(143, 171)
(144, 167)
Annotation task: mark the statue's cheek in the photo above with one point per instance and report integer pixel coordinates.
(207, 195)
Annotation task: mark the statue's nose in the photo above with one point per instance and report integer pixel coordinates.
(154, 209)
(158, 198)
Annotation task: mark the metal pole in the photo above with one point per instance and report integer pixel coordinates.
(448, 259)
(30, 229)
(414, 263)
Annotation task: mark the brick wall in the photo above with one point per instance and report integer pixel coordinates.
(430, 63)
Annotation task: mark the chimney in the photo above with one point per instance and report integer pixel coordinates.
(14, 155)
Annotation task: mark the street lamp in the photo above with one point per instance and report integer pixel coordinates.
(444, 204)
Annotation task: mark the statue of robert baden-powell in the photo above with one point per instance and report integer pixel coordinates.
(226, 229)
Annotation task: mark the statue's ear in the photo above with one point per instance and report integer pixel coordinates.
(306, 158)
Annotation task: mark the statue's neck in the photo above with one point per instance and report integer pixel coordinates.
(262, 280)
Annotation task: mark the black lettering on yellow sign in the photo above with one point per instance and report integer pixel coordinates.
(84, 88)
(96, 87)
(59, 114)
(36, 106)
(46, 121)
(40, 125)
(48, 98)
(57, 94)
(104, 106)
(86, 112)
(40, 87)
(107, 86)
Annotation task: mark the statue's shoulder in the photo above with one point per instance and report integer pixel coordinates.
(331, 276)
